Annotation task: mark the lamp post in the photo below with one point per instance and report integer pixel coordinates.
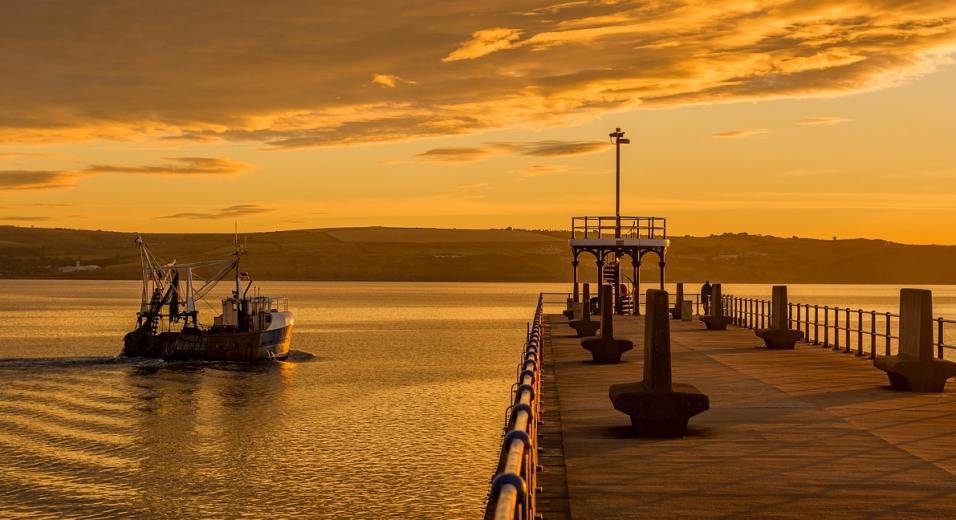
(617, 137)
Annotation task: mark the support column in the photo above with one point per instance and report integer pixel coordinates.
(637, 288)
(662, 264)
(600, 268)
(575, 265)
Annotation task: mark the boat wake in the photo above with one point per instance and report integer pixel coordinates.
(76, 361)
(299, 356)
(295, 356)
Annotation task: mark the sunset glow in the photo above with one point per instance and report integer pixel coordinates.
(804, 118)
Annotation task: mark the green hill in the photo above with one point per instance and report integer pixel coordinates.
(414, 254)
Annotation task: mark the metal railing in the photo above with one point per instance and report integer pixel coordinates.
(698, 303)
(515, 482)
(631, 227)
(840, 328)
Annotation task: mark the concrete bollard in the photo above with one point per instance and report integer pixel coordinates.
(678, 310)
(915, 368)
(569, 312)
(657, 406)
(606, 349)
(687, 310)
(779, 335)
(716, 319)
(585, 326)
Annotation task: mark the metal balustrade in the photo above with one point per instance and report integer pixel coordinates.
(513, 488)
(631, 227)
(843, 329)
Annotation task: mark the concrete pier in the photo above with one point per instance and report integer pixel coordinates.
(803, 433)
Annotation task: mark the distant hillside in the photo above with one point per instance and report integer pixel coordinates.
(413, 254)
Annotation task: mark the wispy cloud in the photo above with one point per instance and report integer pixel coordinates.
(740, 134)
(14, 218)
(471, 186)
(178, 166)
(390, 80)
(537, 170)
(811, 173)
(301, 80)
(36, 179)
(550, 148)
(56, 156)
(55, 179)
(484, 42)
(823, 121)
(240, 210)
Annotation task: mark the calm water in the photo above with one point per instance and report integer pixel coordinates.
(398, 414)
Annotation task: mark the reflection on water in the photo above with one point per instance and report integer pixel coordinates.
(390, 405)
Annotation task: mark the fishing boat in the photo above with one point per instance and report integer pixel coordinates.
(249, 328)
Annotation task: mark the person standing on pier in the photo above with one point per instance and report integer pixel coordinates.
(705, 296)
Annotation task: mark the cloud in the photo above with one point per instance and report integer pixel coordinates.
(179, 166)
(812, 173)
(231, 212)
(466, 187)
(537, 170)
(390, 80)
(56, 156)
(25, 219)
(457, 153)
(36, 179)
(549, 148)
(823, 121)
(287, 75)
(54, 179)
(740, 134)
(484, 42)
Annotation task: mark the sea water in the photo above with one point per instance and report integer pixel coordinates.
(390, 405)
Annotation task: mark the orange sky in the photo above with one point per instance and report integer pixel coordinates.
(807, 118)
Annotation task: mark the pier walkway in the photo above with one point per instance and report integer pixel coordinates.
(805, 433)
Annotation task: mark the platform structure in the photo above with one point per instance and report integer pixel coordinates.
(804, 433)
(610, 238)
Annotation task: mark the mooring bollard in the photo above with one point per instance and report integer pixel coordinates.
(780, 335)
(585, 326)
(657, 406)
(678, 310)
(606, 349)
(716, 320)
(915, 368)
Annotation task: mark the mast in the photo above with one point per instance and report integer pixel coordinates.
(238, 285)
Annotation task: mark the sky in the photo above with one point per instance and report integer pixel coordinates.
(822, 118)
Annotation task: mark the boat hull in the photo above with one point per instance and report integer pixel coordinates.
(210, 346)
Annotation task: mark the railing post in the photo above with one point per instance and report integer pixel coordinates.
(859, 333)
(939, 339)
(806, 325)
(889, 335)
(826, 325)
(816, 324)
(847, 347)
(761, 314)
(872, 334)
(798, 316)
(836, 328)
